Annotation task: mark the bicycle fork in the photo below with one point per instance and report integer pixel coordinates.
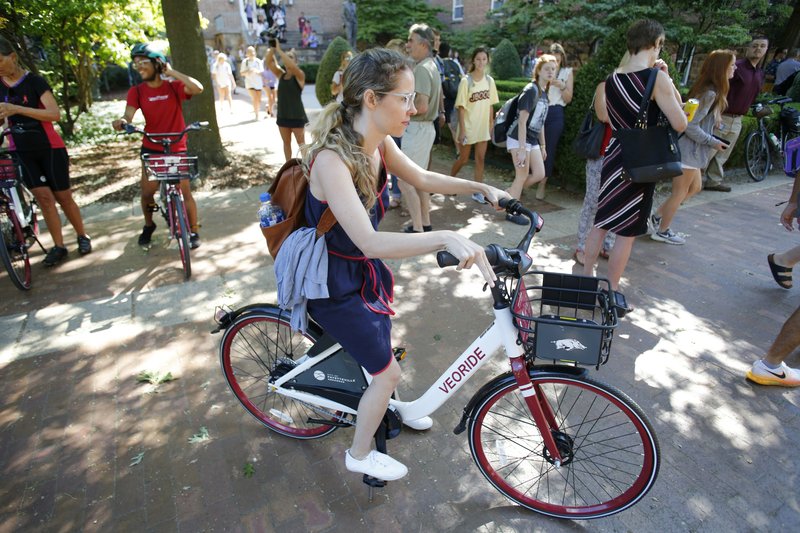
(539, 408)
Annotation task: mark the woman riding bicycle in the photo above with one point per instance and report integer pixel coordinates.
(160, 101)
(28, 102)
(348, 160)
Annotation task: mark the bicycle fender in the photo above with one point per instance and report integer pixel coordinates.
(225, 320)
(503, 380)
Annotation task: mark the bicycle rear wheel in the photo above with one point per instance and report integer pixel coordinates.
(756, 155)
(14, 250)
(181, 218)
(258, 348)
(610, 455)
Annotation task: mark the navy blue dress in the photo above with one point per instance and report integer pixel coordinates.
(357, 312)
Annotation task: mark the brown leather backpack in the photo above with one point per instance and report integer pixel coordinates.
(288, 192)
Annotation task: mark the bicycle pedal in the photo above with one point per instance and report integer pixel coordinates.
(373, 483)
(399, 353)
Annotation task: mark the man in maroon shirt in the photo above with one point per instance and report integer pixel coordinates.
(160, 101)
(745, 86)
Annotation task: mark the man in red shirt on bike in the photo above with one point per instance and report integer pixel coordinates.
(160, 101)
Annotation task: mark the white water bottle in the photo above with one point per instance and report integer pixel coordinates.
(268, 214)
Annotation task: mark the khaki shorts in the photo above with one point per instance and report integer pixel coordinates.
(418, 141)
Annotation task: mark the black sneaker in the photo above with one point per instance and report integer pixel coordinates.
(147, 234)
(55, 256)
(194, 241)
(84, 244)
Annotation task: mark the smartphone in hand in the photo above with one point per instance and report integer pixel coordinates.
(725, 143)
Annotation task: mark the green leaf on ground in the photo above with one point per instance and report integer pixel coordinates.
(437, 337)
(154, 378)
(136, 459)
(248, 470)
(201, 436)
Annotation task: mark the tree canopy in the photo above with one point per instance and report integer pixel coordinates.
(380, 21)
(70, 42)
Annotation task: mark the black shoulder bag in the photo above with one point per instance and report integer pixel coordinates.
(589, 140)
(649, 154)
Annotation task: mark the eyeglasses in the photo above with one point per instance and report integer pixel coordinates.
(140, 62)
(408, 98)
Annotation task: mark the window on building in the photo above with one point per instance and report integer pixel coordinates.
(497, 4)
(458, 9)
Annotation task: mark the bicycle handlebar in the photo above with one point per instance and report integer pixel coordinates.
(166, 139)
(12, 129)
(516, 259)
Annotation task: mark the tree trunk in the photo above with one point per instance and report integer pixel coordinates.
(789, 39)
(188, 53)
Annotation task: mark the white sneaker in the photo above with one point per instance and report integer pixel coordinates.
(478, 197)
(420, 424)
(668, 236)
(376, 464)
(783, 376)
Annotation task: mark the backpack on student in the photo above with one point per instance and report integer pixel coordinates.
(288, 191)
(452, 77)
(503, 121)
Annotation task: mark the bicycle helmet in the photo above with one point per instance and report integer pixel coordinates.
(144, 50)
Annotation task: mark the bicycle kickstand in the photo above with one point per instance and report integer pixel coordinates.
(380, 445)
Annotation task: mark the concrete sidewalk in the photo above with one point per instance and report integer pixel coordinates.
(74, 421)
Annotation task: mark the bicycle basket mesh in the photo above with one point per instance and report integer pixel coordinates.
(572, 321)
(170, 166)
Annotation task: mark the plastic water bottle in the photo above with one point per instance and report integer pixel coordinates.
(774, 141)
(269, 214)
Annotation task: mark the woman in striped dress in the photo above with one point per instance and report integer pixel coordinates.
(623, 206)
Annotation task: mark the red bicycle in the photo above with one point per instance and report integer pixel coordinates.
(170, 169)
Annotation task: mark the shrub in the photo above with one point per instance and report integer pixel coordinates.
(310, 70)
(328, 67)
(505, 61)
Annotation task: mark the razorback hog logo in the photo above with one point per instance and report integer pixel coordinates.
(462, 371)
(568, 345)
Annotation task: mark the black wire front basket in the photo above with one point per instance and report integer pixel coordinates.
(10, 170)
(564, 317)
(170, 166)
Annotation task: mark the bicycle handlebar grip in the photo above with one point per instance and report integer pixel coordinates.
(446, 259)
(128, 128)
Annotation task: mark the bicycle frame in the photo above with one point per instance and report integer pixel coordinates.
(500, 334)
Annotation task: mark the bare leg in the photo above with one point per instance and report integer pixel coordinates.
(463, 157)
(71, 210)
(299, 135)
(520, 174)
(413, 204)
(480, 159)
(191, 205)
(618, 260)
(149, 189)
(372, 407)
(425, 207)
(681, 186)
(286, 137)
(787, 340)
(789, 258)
(594, 242)
(47, 203)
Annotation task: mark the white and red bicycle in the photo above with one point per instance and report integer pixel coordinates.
(544, 434)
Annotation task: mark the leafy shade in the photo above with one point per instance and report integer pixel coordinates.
(505, 61)
(328, 67)
(68, 41)
(380, 21)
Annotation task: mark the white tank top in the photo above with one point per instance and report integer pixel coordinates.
(554, 94)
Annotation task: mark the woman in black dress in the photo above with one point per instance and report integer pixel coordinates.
(624, 206)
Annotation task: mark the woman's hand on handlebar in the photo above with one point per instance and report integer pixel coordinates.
(119, 124)
(494, 195)
(470, 253)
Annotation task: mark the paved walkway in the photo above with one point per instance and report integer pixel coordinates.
(74, 421)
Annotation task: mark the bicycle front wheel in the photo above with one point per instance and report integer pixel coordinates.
(756, 155)
(258, 348)
(14, 250)
(610, 455)
(180, 218)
